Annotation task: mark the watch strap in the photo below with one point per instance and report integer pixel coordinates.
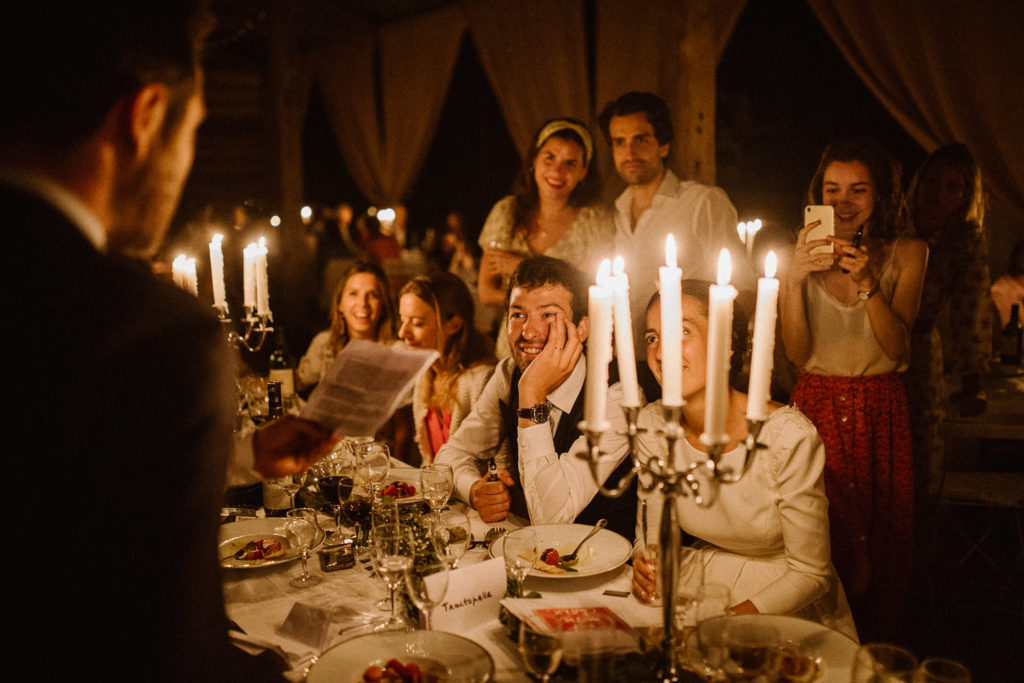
(538, 413)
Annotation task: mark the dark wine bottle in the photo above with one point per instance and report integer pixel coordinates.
(1011, 338)
(275, 400)
(279, 365)
(275, 500)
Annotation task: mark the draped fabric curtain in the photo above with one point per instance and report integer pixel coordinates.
(947, 72)
(671, 48)
(534, 55)
(384, 128)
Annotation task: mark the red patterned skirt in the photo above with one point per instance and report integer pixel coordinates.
(869, 479)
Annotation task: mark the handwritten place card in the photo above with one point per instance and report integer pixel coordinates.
(473, 598)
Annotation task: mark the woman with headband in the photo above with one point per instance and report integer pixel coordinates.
(553, 211)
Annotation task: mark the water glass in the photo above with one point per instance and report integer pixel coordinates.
(302, 529)
(427, 587)
(520, 550)
(374, 463)
(883, 662)
(541, 652)
(689, 581)
(938, 670)
(436, 483)
(392, 554)
(451, 536)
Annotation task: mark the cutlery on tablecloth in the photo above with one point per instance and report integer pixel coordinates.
(566, 561)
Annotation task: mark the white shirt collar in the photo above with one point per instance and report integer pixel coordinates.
(565, 395)
(61, 199)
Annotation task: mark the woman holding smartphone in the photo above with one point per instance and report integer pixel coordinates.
(846, 317)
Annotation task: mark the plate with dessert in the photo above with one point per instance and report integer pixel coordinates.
(253, 543)
(605, 551)
(404, 656)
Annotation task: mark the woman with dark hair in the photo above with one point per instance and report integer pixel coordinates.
(360, 309)
(846, 317)
(436, 312)
(946, 207)
(766, 536)
(553, 211)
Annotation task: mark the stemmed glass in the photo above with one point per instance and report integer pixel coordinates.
(301, 528)
(373, 463)
(384, 513)
(291, 483)
(713, 602)
(939, 670)
(392, 558)
(541, 652)
(883, 662)
(690, 579)
(356, 502)
(427, 588)
(451, 535)
(333, 473)
(436, 483)
(520, 551)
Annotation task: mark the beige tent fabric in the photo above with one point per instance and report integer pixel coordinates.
(384, 132)
(670, 48)
(947, 71)
(534, 55)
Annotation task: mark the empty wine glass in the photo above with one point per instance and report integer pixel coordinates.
(451, 535)
(436, 483)
(374, 463)
(384, 513)
(427, 587)
(520, 551)
(883, 662)
(541, 652)
(291, 483)
(301, 528)
(939, 670)
(689, 581)
(392, 553)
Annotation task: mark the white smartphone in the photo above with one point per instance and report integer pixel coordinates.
(827, 226)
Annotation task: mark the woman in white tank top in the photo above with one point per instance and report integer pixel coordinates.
(846, 317)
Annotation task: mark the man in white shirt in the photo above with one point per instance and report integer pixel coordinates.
(529, 410)
(656, 203)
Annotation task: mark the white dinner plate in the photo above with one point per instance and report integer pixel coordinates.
(607, 550)
(832, 651)
(446, 655)
(235, 535)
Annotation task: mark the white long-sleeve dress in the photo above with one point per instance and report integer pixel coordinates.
(766, 536)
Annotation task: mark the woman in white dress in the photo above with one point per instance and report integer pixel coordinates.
(766, 537)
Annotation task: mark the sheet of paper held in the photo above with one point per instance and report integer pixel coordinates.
(364, 386)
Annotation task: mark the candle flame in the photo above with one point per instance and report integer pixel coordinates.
(179, 262)
(770, 264)
(757, 225)
(618, 266)
(604, 273)
(741, 228)
(724, 267)
(217, 238)
(670, 251)
(262, 245)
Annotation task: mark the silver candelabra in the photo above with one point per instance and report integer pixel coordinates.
(700, 479)
(255, 328)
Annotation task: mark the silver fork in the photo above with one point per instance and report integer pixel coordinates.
(493, 533)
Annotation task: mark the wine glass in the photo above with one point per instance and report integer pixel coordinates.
(374, 463)
(751, 649)
(333, 472)
(939, 670)
(356, 503)
(713, 602)
(541, 652)
(451, 535)
(689, 581)
(302, 529)
(291, 483)
(436, 482)
(883, 662)
(427, 587)
(520, 551)
(392, 553)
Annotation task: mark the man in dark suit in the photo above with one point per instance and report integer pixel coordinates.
(122, 385)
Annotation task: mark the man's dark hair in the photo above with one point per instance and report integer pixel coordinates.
(635, 102)
(538, 271)
(67, 64)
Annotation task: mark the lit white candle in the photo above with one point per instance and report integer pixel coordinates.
(220, 301)
(716, 386)
(183, 272)
(599, 350)
(262, 284)
(191, 282)
(670, 277)
(624, 335)
(752, 229)
(741, 228)
(764, 341)
(178, 270)
(249, 275)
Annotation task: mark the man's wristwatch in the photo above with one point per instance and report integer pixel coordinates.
(539, 413)
(864, 296)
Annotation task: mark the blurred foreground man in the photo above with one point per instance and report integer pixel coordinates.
(122, 389)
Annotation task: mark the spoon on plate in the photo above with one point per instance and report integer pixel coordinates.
(573, 557)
